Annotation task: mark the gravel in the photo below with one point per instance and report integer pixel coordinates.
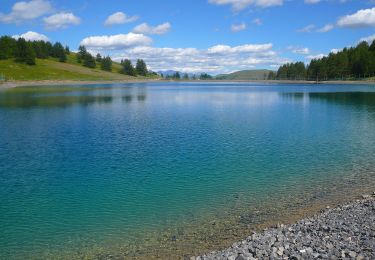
(344, 232)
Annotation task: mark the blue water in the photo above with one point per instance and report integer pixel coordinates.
(92, 169)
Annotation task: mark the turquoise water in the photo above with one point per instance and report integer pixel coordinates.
(100, 169)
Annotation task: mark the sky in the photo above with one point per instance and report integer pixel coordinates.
(212, 36)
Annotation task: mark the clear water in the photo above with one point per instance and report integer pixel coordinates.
(129, 169)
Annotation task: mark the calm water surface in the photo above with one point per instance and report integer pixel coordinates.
(172, 169)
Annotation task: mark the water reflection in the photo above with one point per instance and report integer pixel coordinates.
(358, 99)
(27, 97)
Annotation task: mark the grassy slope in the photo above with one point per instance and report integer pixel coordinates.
(51, 69)
(245, 75)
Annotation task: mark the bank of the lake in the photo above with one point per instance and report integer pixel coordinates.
(20, 83)
(344, 232)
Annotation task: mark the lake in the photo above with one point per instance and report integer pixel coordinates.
(174, 169)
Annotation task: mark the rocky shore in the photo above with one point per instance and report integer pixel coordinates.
(344, 232)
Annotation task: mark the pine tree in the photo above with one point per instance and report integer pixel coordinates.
(25, 52)
(7, 47)
(127, 68)
(82, 52)
(89, 61)
(98, 57)
(106, 64)
(141, 68)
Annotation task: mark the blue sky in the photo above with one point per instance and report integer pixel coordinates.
(214, 36)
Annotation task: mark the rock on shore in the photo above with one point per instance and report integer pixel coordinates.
(345, 232)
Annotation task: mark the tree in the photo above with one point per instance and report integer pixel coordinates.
(141, 68)
(106, 64)
(271, 75)
(177, 75)
(127, 67)
(59, 52)
(205, 76)
(89, 61)
(98, 57)
(186, 76)
(7, 47)
(372, 46)
(82, 52)
(67, 50)
(24, 52)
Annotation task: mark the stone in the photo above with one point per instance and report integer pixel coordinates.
(240, 257)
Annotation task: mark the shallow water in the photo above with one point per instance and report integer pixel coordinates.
(172, 169)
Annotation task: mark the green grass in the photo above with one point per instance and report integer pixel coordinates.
(51, 69)
(245, 75)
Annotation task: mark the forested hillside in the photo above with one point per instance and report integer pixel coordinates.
(350, 63)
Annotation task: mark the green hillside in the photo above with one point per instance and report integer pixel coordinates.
(51, 69)
(245, 75)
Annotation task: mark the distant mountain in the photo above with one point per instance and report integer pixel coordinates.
(245, 75)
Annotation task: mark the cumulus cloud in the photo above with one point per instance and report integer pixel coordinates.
(238, 27)
(362, 18)
(23, 11)
(32, 36)
(368, 39)
(326, 28)
(216, 59)
(238, 5)
(299, 50)
(60, 21)
(144, 28)
(119, 18)
(312, 1)
(255, 48)
(118, 41)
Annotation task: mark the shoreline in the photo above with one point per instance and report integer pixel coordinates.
(12, 84)
(343, 232)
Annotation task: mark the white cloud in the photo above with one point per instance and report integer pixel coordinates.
(326, 28)
(314, 57)
(118, 41)
(23, 11)
(312, 1)
(307, 28)
(119, 18)
(238, 27)
(362, 18)
(368, 39)
(32, 36)
(216, 59)
(239, 5)
(225, 49)
(60, 21)
(299, 50)
(144, 28)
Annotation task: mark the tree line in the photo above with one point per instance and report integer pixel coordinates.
(177, 76)
(27, 52)
(350, 63)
